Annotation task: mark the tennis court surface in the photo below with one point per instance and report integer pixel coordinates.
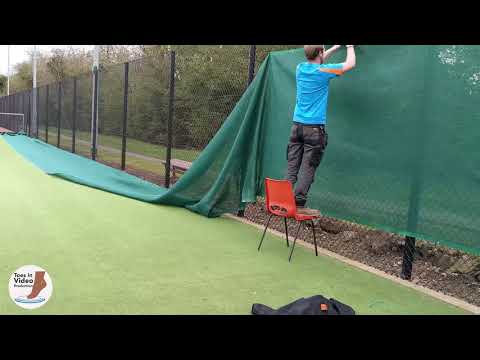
(110, 254)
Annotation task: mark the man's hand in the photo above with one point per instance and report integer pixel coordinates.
(330, 51)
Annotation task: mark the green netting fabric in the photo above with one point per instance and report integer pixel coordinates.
(403, 154)
(78, 169)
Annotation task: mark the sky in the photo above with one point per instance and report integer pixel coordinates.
(19, 53)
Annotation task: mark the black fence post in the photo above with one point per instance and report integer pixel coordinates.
(13, 109)
(46, 114)
(25, 118)
(418, 162)
(25, 115)
(59, 112)
(171, 109)
(29, 97)
(20, 106)
(74, 115)
(22, 110)
(125, 115)
(16, 105)
(408, 256)
(94, 120)
(9, 107)
(25, 112)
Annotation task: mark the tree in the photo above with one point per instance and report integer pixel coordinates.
(210, 80)
(56, 64)
(3, 85)
(21, 78)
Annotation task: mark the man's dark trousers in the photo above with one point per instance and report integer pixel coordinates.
(304, 154)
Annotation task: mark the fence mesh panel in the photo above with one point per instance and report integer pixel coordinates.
(209, 82)
(41, 112)
(52, 113)
(148, 100)
(110, 115)
(15, 112)
(84, 116)
(66, 112)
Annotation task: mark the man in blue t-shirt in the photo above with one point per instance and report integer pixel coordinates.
(308, 138)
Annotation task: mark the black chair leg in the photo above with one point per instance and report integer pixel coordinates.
(294, 241)
(314, 238)
(286, 230)
(264, 231)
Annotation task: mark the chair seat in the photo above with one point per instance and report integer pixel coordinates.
(303, 217)
(298, 217)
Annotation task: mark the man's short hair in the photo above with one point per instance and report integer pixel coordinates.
(312, 51)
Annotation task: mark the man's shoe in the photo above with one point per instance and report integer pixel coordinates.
(307, 211)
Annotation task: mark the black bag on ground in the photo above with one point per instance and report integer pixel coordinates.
(315, 305)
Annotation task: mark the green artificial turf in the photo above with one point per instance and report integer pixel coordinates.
(108, 254)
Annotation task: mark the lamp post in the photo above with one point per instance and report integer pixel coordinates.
(34, 90)
(8, 71)
(95, 65)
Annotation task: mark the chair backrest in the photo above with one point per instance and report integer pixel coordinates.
(280, 199)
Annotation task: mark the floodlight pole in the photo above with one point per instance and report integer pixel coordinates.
(8, 71)
(34, 91)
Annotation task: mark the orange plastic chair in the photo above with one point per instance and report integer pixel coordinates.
(280, 201)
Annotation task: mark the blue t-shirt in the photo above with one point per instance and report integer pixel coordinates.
(312, 91)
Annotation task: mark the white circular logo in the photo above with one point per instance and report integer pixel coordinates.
(30, 287)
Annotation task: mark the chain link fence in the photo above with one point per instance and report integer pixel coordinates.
(157, 113)
(148, 112)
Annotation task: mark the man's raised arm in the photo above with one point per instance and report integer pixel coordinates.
(349, 63)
